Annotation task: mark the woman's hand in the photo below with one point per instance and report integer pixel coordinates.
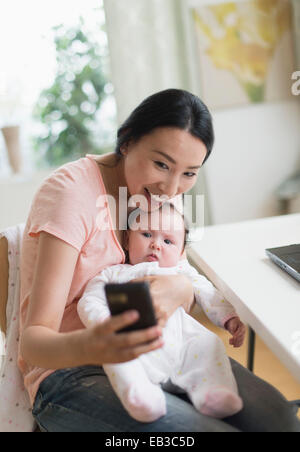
(168, 293)
(103, 345)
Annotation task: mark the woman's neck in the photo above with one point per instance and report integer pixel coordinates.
(112, 170)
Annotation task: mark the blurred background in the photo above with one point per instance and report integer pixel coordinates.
(71, 72)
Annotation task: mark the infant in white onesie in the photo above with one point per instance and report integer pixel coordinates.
(193, 359)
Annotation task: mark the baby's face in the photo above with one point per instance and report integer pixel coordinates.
(160, 241)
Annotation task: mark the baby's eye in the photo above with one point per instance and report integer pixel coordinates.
(146, 234)
(168, 241)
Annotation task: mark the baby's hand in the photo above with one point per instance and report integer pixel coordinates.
(238, 331)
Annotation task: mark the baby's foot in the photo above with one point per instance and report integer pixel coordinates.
(144, 404)
(220, 402)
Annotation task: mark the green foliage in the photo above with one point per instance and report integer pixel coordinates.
(67, 110)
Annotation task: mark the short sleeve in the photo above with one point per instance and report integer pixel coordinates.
(62, 207)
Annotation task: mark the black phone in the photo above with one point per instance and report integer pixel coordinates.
(128, 296)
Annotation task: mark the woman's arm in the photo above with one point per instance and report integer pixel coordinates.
(41, 343)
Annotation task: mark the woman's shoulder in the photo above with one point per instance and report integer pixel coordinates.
(71, 191)
(65, 203)
(82, 176)
(105, 162)
(76, 169)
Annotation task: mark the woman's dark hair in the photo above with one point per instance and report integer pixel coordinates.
(169, 108)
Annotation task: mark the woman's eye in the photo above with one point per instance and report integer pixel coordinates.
(161, 165)
(190, 174)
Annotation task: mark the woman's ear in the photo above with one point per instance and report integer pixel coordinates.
(124, 149)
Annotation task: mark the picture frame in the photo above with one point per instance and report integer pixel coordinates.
(241, 52)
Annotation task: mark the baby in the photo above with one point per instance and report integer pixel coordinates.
(193, 359)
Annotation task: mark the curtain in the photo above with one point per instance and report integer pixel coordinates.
(143, 49)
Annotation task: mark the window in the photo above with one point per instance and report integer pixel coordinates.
(38, 95)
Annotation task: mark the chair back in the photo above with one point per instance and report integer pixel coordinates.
(3, 282)
(15, 408)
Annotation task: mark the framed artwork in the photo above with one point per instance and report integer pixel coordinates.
(245, 50)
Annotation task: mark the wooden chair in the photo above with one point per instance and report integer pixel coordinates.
(4, 269)
(3, 282)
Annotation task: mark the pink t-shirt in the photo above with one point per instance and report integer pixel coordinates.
(66, 207)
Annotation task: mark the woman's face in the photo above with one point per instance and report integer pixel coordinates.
(164, 162)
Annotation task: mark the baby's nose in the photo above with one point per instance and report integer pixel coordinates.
(155, 245)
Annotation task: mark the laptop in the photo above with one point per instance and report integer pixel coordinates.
(288, 258)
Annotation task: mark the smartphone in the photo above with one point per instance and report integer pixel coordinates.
(131, 296)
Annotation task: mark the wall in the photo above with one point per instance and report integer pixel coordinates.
(257, 147)
(16, 194)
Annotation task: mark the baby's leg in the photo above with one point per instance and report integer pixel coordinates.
(205, 372)
(142, 399)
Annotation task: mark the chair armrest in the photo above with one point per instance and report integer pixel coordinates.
(3, 282)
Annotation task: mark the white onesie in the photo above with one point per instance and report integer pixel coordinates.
(193, 359)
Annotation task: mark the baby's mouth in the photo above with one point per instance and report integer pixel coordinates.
(152, 258)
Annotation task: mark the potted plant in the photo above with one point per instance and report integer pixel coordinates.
(67, 110)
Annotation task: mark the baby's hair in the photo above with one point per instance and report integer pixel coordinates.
(136, 212)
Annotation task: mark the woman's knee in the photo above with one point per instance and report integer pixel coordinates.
(265, 408)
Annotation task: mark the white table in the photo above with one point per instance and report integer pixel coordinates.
(233, 257)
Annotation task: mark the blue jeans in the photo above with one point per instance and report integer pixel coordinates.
(81, 399)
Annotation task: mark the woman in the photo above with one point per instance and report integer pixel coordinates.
(160, 149)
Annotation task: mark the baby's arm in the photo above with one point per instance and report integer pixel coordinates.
(92, 307)
(213, 303)
(217, 309)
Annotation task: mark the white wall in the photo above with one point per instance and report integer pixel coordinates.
(257, 147)
(16, 194)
